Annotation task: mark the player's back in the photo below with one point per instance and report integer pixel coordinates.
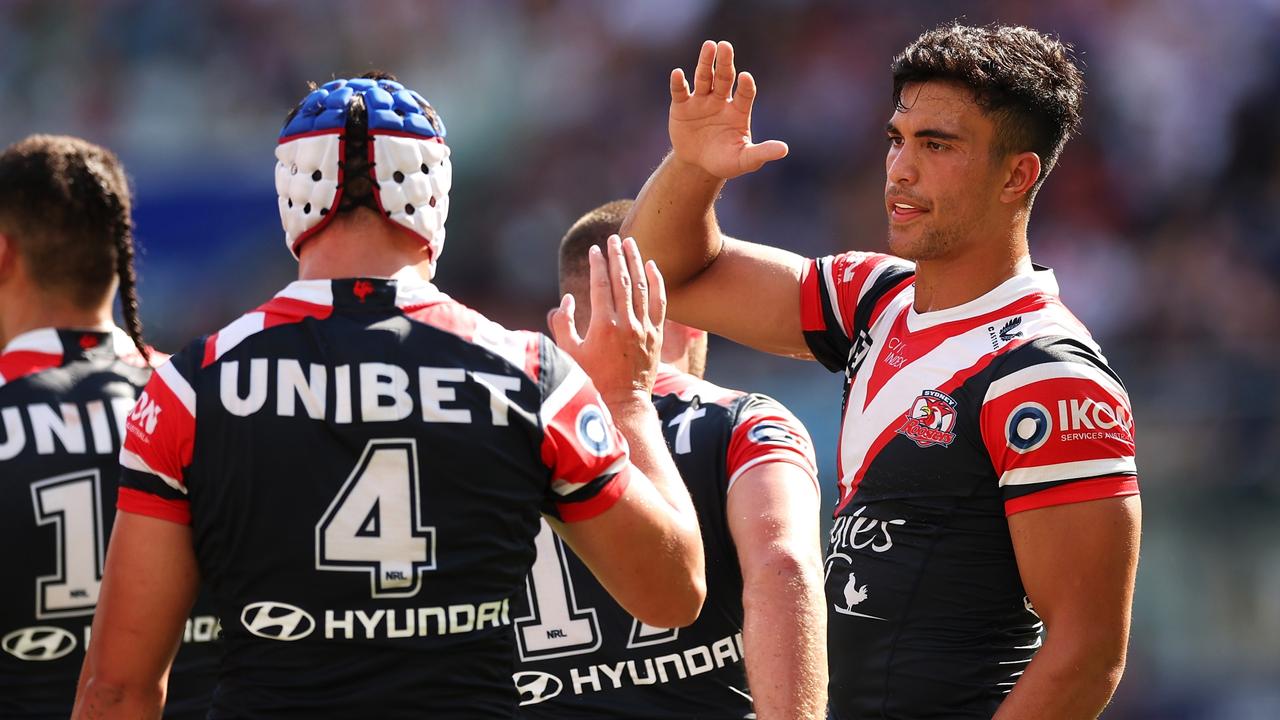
(365, 463)
(583, 656)
(64, 396)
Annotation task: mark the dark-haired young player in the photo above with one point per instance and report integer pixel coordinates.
(987, 477)
(68, 378)
(357, 467)
(749, 466)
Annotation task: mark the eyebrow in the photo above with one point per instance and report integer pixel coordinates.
(934, 133)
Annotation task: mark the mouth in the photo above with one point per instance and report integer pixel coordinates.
(902, 212)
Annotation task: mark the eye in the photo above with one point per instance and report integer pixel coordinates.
(935, 146)
(895, 140)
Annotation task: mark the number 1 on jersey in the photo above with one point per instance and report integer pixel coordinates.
(374, 524)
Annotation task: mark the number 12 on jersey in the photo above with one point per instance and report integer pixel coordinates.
(374, 523)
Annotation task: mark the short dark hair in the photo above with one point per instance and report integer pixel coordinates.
(594, 228)
(1028, 81)
(66, 205)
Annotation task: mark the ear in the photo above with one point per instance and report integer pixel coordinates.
(1023, 172)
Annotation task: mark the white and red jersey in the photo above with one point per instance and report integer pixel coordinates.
(582, 656)
(363, 463)
(953, 419)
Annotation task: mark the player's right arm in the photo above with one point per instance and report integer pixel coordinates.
(746, 292)
(646, 547)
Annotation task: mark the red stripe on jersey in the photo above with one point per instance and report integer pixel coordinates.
(888, 297)
(916, 345)
(811, 318)
(284, 310)
(608, 496)
(1087, 421)
(21, 363)
(891, 430)
(448, 316)
(1082, 491)
(160, 430)
(144, 503)
(851, 289)
(772, 436)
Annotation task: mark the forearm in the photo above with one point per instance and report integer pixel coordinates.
(784, 633)
(1069, 679)
(638, 422)
(100, 699)
(674, 221)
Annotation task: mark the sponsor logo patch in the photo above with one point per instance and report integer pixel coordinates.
(593, 434)
(146, 413)
(536, 687)
(931, 420)
(277, 621)
(1028, 427)
(40, 643)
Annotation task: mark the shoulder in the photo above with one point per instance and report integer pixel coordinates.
(531, 352)
(1050, 344)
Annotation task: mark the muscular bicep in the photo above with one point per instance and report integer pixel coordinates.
(773, 508)
(1078, 562)
(750, 294)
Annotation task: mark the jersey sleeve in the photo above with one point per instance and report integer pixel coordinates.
(766, 432)
(584, 450)
(840, 296)
(159, 436)
(1059, 430)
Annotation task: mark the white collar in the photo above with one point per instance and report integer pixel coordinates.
(1038, 281)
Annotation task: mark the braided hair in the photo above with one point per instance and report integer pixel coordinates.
(66, 204)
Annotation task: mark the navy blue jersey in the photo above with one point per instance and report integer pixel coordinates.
(582, 656)
(363, 463)
(64, 396)
(953, 420)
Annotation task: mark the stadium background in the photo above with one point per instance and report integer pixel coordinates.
(1162, 219)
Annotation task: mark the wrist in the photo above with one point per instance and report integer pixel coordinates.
(630, 403)
(692, 171)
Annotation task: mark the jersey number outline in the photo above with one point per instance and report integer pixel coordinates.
(556, 625)
(72, 503)
(374, 524)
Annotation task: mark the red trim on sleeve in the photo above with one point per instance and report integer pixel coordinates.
(144, 503)
(603, 500)
(811, 319)
(1085, 490)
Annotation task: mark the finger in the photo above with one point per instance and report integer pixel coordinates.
(564, 329)
(657, 294)
(679, 87)
(601, 294)
(620, 282)
(724, 71)
(639, 284)
(754, 156)
(746, 92)
(702, 73)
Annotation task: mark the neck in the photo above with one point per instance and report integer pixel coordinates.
(40, 310)
(362, 249)
(947, 282)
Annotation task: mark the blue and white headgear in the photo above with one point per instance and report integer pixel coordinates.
(407, 160)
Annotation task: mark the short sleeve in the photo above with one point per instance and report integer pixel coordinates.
(582, 447)
(766, 432)
(840, 297)
(1059, 430)
(158, 442)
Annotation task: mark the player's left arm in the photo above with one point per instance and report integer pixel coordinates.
(148, 586)
(773, 506)
(1078, 564)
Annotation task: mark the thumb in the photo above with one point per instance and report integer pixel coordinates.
(563, 328)
(754, 156)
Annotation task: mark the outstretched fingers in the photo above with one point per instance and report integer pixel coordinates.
(639, 283)
(702, 73)
(679, 86)
(564, 329)
(724, 70)
(602, 309)
(657, 294)
(620, 283)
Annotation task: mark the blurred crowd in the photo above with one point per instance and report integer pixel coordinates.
(1162, 218)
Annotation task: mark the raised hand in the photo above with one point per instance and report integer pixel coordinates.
(623, 344)
(710, 127)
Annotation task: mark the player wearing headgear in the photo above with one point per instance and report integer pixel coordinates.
(987, 472)
(357, 467)
(68, 378)
(749, 466)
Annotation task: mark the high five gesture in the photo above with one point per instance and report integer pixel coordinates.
(711, 126)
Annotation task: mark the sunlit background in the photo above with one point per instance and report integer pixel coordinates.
(1162, 219)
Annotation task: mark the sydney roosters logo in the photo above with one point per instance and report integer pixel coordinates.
(931, 420)
(362, 289)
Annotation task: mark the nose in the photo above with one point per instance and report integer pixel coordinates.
(900, 165)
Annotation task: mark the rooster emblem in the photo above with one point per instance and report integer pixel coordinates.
(854, 595)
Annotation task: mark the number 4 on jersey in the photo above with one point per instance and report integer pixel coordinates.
(374, 523)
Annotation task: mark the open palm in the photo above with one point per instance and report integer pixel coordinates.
(709, 126)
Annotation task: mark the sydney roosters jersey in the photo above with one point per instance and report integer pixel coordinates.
(582, 656)
(363, 463)
(64, 397)
(953, 420)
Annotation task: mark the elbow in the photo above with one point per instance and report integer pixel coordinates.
(677, 600)
(787, 568)
(104, 692)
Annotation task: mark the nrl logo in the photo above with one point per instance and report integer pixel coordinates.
(930, 420)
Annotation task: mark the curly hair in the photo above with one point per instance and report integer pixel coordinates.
(65, 203)
(1028, 81)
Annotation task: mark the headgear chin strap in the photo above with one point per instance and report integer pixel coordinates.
(408, 161)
